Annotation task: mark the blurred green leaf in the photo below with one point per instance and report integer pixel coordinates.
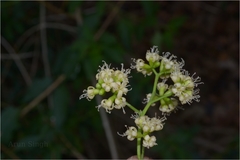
(150, 8)
(156, 39)
(72, 5)
(171, 30)
(37, 87)
(108, 39)
(92, 21)
(60, 105)
(9, 123)
(111, 49)
(125, 30)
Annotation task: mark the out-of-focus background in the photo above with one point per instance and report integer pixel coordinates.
(50, 53)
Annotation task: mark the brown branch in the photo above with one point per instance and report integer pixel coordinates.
(43, 95)
(43, 36)
(17, 60)
(52, 8)
(108, 20)
(20, 55)
(33, 29)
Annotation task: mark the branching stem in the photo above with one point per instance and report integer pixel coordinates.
(132, 108)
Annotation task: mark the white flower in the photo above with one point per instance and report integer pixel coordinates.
(168, 105)
(89, 93)
(131, 133)
(107, 104)
(149, 141)
(149, 124)
(153, 56)
(107, 83)
(142, 67)
(120, 102)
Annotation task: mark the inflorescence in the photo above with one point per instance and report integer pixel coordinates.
(182, 90)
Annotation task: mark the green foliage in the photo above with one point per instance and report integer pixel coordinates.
(37, 87)
(172, 29)
(60, 104)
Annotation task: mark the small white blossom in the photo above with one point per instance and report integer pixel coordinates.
(168, 106)
(120, 103)
(149, 124)
(152, 55)
(107, 104)
(149, 141)
(131, 133)
(89, 93)
(142, 67)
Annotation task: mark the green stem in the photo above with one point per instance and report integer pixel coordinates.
(142, 155)
(139, 147)
(155, 83)
(132, 108)
(153, 92)
(153, 101)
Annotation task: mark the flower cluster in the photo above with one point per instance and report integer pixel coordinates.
(183, 88)
(152, 57)
(146, 125)
(110, 80)
(172, 86)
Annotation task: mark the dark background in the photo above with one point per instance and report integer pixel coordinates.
(58, 46)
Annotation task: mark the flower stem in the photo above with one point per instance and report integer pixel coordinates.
(155, 83)
(132, 108)
(153, 93)
(139, 147)
(142, 154)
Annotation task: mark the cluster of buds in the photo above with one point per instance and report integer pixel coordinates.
(145, 126)
(110, 80)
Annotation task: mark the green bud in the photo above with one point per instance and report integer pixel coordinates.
(162, 102)
(167, 100)
(168, 93)
(146, 66)
(156, 64)
(101, 92)
(162, 90)
(151, 63)
(100, 81)
(98, 86)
